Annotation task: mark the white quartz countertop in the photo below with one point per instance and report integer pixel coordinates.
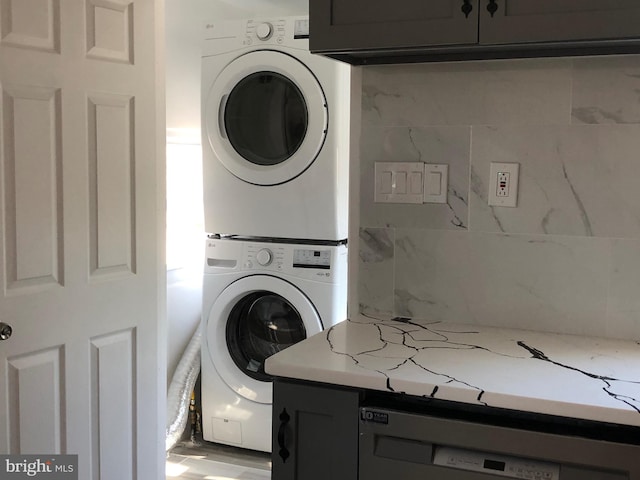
(566, 375)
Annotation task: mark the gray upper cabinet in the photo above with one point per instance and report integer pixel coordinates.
(527, 21)
(348, 25)
(383, 31)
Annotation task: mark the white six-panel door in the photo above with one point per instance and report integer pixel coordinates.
(82, 235)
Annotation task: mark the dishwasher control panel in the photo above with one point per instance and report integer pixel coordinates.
(500, 465)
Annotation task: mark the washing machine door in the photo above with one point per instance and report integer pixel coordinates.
(266, 117)
(252, 319)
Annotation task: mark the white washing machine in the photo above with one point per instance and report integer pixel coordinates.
(275, 132)
(259, 298)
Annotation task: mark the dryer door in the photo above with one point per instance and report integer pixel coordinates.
(266, 117)
(252, 319)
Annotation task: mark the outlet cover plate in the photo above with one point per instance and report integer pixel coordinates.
(503, 184)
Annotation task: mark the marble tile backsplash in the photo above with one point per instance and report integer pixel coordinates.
(567, 259)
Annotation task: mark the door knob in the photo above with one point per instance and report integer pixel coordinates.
(5, 331)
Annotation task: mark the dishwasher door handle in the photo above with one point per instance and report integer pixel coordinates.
(403, 449)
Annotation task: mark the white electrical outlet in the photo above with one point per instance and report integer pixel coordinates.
(503, 184)
(502, 189)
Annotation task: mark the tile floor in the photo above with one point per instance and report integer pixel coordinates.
(209, 461)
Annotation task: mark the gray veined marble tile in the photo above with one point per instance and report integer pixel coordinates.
(375, 285)
(448, 145)
(623, 311)
(546, 283)
(574, 180)
(427, 266)
(520, 92)
(606, 90)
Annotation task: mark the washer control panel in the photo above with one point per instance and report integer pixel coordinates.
(317, 262)
(312, 258)
(497, 465)
(260, 257)
(321, 263)
(264, 257)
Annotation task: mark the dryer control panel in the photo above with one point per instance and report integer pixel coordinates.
(277, 30)
(265, 30)
(225, 36)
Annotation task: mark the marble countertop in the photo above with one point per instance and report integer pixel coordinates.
(566, 375)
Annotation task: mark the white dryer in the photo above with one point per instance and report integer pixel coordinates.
(275, 132)
(259, 298)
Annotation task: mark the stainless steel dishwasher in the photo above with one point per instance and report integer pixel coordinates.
(401, 445)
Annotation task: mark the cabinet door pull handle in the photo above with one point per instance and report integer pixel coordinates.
(284, 421)
(492, 8)
(467, 8)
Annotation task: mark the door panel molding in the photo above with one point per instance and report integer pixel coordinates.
(36, 388)
(31, 24)
(113, 402)
(110, 31)
(112, 162)
(32, 176)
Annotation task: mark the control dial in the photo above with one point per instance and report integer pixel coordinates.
(264, 257)
(264, 31)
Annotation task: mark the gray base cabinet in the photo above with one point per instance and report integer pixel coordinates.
(379, 31)
(327, 432)
(315, 432)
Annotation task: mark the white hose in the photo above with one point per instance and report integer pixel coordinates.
(179, 394)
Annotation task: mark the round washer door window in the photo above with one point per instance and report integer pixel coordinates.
(266, 117)
(261, 324)
(252, 319)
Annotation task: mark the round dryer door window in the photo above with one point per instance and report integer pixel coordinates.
(266, 117)
(252, 319)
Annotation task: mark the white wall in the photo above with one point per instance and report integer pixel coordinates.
(184, 19)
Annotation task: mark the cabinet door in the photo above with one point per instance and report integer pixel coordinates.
(525, 21)
(315, 432)
(352, 25)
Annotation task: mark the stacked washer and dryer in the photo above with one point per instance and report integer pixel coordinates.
(275, 123)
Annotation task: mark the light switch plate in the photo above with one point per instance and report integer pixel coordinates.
(398, 182)
(503, 184)
(436, 182)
